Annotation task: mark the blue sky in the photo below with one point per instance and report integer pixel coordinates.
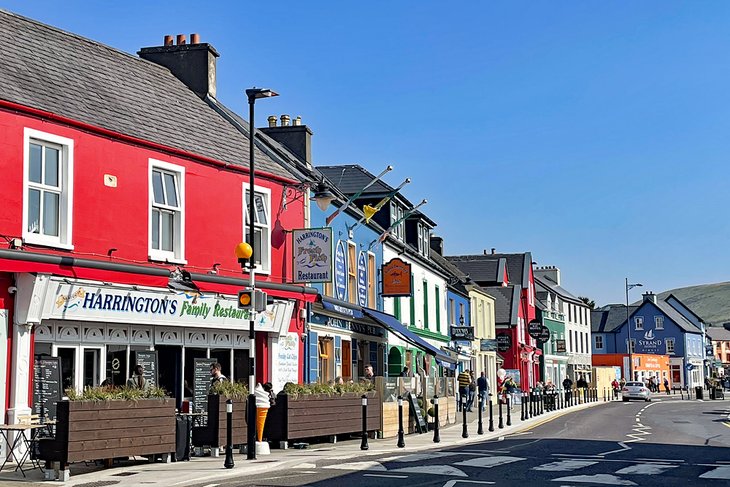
(593, 134)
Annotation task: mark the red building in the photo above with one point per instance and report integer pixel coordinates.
(510, 280)
(123, 184)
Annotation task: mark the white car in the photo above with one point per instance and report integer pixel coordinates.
(635, 390)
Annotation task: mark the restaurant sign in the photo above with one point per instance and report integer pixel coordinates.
(396, 278)
(488, 345)
(504, 342)
(560, 346)
(111, 304)
(340, 271)
(362, 280)
(533, 328)
(462, 333)
(313, 255)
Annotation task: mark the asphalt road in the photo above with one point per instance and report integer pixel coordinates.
(666, 442)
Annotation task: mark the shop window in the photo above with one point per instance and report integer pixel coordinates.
(167, 219)
(352, 273)
(47, 189)
(262, 226)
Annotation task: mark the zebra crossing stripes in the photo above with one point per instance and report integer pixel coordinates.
(564, 465)
(721, 473)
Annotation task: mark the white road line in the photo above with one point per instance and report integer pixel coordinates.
(645, 469)
(417, 457)
(431, 470)
(576, 455)
(662, 460)
(357, 466)
(452, 483)
(385, 475)
(601, 478)
(623, 446)
(565, 465)
(211, 485)
(722, 473)
(489, 462)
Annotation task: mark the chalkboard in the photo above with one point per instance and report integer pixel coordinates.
(420, 422)
(148, 360)
(46, 385)
(201, 383)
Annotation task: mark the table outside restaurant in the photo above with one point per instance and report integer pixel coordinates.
(21, 440)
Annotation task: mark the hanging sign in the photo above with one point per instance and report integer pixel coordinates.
(504, 342)
(396, 278)
(362, 280)
(462, 333)
(313, 255)
(560, 346)
(340, 272)
(488, 345)
(544, 334)
(533, 328)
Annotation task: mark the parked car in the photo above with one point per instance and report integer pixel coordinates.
(635, 390)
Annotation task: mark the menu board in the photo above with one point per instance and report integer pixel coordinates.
(46, 385)
(421, 426)
(148, 360)
(201, 383)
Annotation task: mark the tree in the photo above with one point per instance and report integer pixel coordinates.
(589, 302)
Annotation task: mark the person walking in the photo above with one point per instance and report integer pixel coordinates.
(666, 385)
(483, 389)
(464, 379)
(471, 393)
(137, 381)
(568, 388)
(615, 387)
(216, 375)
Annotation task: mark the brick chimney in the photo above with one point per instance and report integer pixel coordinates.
(296, 138)
(549, 271)
(437, 244)
(649, 296)
(193, 64)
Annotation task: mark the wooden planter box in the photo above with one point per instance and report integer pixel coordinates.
(213, 434)
(97, 430)
(318, 415)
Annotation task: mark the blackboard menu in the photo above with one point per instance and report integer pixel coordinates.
(201, 383)
(148, 360)
(420, 422)
(46, 385)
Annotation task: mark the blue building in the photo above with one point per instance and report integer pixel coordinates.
(657, 327)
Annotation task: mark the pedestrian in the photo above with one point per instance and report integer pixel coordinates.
(622, 382)
(568, 388)
(216, 375)
(406, 372)
(369, 373)
(483, 389)
(666, 385)
(137, 381)
(616, 387)
(471, 393)
(464, 379)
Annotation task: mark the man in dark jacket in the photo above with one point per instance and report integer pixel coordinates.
(568, 388)
(483, 387)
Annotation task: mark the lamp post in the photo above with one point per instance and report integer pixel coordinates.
(628, 325)
(252, 94)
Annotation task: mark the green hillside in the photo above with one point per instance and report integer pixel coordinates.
(710, 301)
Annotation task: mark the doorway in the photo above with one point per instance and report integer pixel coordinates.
(91, 367)
(346, 360)
(68, 367)
(170, 357)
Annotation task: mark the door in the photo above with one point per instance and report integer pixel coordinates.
(68, 367)
(346, 360)
(91, 367)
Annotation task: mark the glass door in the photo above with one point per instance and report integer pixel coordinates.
(91, 367)
(68, 367)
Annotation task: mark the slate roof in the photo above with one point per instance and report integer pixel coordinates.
(59, 72)
(676, 317)
(518, 265)
(548, 284)
(480, 270)
(718, 333)
(507, 302)
(609, 318)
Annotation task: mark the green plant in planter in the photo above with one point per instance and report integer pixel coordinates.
(296, 390)
(107, 393)
(233, 390)
(430, 412)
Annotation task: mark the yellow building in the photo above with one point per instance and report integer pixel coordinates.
(482, 318)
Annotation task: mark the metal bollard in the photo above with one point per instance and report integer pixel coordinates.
(401, 433)
(491, 414)
(501, 421)
(364, 444)
(523, 405)
(251, 432)
(436, 434)
(509, 406)
(464, 432)
(480, 426)
(228, 463)
(531, 399)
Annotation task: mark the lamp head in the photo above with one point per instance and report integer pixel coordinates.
(243, 252)
(256, 93)
(323, 196)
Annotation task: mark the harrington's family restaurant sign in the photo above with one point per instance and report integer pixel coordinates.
(313, 255)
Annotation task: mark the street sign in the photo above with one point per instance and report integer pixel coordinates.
(544, 334)
(533, 328)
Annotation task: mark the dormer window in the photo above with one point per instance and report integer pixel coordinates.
(396, 214)
(423, 240)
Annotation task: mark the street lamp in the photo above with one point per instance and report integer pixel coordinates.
(631, 359)
(252, 94)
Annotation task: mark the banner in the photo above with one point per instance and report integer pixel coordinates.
(312, 255)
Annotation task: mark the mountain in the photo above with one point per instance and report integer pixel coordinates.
(711, 302)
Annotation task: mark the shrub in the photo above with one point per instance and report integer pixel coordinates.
(109, 393)
(233, 390)
(295, 390)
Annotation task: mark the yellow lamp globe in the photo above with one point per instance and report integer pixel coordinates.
(243, 251)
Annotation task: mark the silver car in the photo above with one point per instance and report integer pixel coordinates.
(635, 390)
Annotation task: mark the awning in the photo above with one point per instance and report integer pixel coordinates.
(446, 365)
(404, 333)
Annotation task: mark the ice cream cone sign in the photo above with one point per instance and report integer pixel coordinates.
(262, 409)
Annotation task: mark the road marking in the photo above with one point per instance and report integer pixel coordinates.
(417, 457)
(211, 485)
(601, 478)
(307, 465)
(432, 470)
(357, 466)
(489, 462)
(623, 446)
(718, 473)
(565, 465)
(385, 475)
(576, 455)
(662, 460)
(645, 469)
(452, 483)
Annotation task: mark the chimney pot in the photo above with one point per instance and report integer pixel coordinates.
(181, 39)
(485, 251)
(168, 40)
(494, 251)
(298, 121)
(272, 120)
(285, 120)
(194, 38)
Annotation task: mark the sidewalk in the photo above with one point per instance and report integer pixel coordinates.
(210, 469)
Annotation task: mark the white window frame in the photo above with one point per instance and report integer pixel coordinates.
(659, 322)
(265, 253)
(667, 341)
(177, 255)
(638, 323)
(66, 180)
(599, 342)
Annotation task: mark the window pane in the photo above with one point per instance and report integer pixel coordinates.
(50, 213)
(34, 211)
(156, 229)
(261, 217)
(51, 173)
(157, 187)
(257, 248)
(168, 231)
(171, 190)
(34, 163)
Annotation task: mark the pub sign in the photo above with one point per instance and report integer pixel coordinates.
(313, 255)
(462, 333)
(504, 342)
(396, 278)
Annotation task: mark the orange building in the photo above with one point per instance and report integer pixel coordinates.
(645, 365)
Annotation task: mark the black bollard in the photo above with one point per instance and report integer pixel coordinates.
(228, 463)
(364, 444)
(464, 432)
(509, 407)
(500, 425)
(436, 434)
(480, 426)
(401, 433)
(523, 404)
(532, 402)
(491, 414)
(585, 395)
(251, 432)
(561, 398)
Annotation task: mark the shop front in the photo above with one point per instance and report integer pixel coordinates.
(99, 331)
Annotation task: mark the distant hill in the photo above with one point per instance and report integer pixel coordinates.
(711, 302)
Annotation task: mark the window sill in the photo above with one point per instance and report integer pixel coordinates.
(35, 240)
(166, 258)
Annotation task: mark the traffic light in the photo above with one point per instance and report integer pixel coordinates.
(246, 299)
(260, 300)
